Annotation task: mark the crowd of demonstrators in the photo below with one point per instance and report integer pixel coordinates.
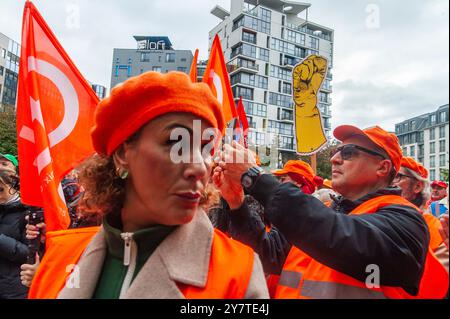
(369, 224)
(140, 227)
(13, 244)
(155, 240)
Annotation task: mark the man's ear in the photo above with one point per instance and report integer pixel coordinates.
(418, 186)
(384, 168)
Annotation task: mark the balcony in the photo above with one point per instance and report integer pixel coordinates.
(286, 117)
(236, 65)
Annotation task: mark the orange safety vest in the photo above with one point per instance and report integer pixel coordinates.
(230, 266)
(434, 224)
(303, 277)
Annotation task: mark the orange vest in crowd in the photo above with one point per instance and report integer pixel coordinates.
(305, 278)
(230, 266)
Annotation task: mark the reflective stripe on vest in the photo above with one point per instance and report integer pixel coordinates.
(230, 268)
(304, 277)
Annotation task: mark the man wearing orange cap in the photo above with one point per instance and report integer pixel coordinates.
(369, 231)
(412, 179)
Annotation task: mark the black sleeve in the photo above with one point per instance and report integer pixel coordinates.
(13, 250)
(272, 247)
(395, 238)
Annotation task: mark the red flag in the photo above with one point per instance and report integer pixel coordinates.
(244, 121)
(55, 112)
(216, 76)
(193, 71)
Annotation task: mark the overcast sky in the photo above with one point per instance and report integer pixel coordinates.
(391, 57)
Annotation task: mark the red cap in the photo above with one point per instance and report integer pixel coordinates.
(143, 98)
(385, 140)
(440, 184)
(409, 162)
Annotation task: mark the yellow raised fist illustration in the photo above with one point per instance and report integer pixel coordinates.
(307, 79)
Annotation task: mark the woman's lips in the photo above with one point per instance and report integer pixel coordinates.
(189, 197)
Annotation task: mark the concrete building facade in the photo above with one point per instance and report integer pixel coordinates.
(151, 54)
(426, 139)
(262, 41)
(9, 71)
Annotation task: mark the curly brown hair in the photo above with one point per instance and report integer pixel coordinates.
(104, 190)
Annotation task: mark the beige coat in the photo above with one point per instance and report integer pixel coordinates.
(182, 257)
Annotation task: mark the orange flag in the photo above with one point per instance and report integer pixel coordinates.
(193, 71)
(216, 76)
(55, 112)
(244, 121)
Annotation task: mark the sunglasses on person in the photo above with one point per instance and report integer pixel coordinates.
(400, 176)
(348, 151)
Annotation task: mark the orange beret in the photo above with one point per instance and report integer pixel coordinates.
(143, 98)
(409, 162)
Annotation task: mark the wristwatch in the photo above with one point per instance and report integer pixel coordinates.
(250, 177)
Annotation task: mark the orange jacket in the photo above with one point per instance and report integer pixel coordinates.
(226, 278)
(303, 277)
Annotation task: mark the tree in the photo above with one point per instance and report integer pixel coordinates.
(444, 174)
(8, 135)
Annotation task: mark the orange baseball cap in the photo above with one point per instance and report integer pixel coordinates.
(143, 98)
(383, 139)
(409, 162)
(297, 167)
(327, 183)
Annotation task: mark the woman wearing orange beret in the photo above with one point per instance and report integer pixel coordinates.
(156, 241)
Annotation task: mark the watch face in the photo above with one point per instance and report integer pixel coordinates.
(247, 181)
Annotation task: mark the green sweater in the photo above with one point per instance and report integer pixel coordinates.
(141, 246)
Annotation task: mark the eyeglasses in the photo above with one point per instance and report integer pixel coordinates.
(350, 150)
(400, 176)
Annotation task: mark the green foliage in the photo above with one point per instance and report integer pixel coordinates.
(8, 135)
(444, 174)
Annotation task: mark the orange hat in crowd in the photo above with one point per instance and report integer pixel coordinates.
(385, 140)
(439, 184)
(300, 169)
(145, 97)
(419, 169)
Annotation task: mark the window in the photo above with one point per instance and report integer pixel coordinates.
(252, 108)
(405, 151)
(442, 160)
(183, 60)
(145, 57)
(257, 138)
(432, 134)
(281, 100)
(246, 93)
(1, 70)
(433, 161)
(248, 37)
(3, 53)
(442, 132)
(432, 147)
(287, 88)
(182, 69)
(263, 54)
(442, 117)
(280, 73)
(285, 142)
(314, 43)
(432, 175)
(170, 57)
(280, 128)
(157, 69)
(413, 151)
(421, 150)
(442, 146)
(250, 79)
(433, 119)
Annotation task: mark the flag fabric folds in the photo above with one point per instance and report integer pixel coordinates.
(193, 72)
(243, 121)
(216, 76)
(55, 113)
